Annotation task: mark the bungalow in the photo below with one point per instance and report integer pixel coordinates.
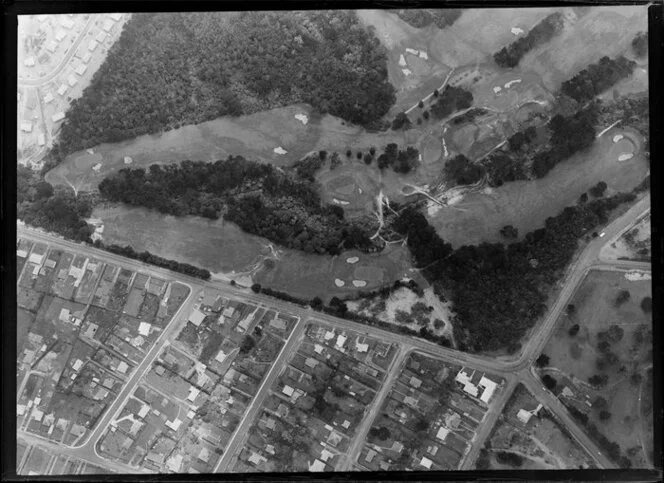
(341, 340)
(101, 36)
(60, 35)
(26, 126)
(193, 393)
(80, 70)
(29, 62)
(48, 98)
(108, 25)
(144, 329)
(278, 324)
(41, 140)
(51, 46)
(220, 357)
(92, 45)
(415, 382)
(244, 324)
(58, 117)
(256, 458)
(196, 317)
(426, 462)
(489, 388)
(116, 16)
(71, 80)
(361, 346)
(317, 465)
(204, 455)
(288, 391)
(174, 425)
(310, 362)
(62, 89)
(86, 57)
(442, 433)
(370, 456)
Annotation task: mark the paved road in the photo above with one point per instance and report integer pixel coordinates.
(587, 259)
(25, 82)
(361, 434)
(241, 433)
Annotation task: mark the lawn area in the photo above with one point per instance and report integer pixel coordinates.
(624, 358)
(527, 204)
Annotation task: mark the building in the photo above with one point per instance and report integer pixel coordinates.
(243, 325)
(317, 465)
(51, 46)
(86, 57)
(196, 317)
(174, 425)
(92, 46)
(524, 416)
(469, 381)
(489, 388)
(442, 433)
(80, 70)
(288, 391)
(60, 35)
(29, 62)
(101, 36)
(415, 382)
(26, 126)
(361, 346)
(220, 357)
(144, 329)
(341, 340)
(426, 462)
(71, 80)
(278, 324)
(41, 139)
(108, 25)
(62, 89)
(116, 16)
(67, 22)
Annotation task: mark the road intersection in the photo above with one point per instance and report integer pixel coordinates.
(513, 370)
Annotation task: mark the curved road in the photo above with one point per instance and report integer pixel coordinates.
(514, 371)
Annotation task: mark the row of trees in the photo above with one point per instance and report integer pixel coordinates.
(596, 78)
(541, 33)
(462, 171)
(452, 99)
(261, 199)
(400, 160)
(424, 17)
(170, 69)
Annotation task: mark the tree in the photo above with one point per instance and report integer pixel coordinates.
(640, 44)
(636, 379)
(419, 121)
(509, 232)
(549, 382)
(359, 155)
(420, 104)
(256, 287)
(583, 198)
(316, 303)
(372, 150)
(615, 333)
(598, 380)
(573, 330)
(571, 309)
(435, 93)
(44, 190)
(401, 121)
(599, 403)
(349, 153)
(542, 360)
(322, 155)
(646, 304)
(368, 158)
(426, 115)
(604, 415)
(247, 344)
(623, 296)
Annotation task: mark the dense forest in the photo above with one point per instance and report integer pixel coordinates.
(424, 17)
(260, 198)
(541, 33)
(170, 69)
(640, 44)
(452, 99)
(499, 291)
(596, 78)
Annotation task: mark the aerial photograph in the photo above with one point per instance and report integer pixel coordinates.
(334, 241)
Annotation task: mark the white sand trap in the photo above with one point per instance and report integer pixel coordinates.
(339, 283)
(128, 160)
(402, 61)
(406, 72)
(302, 118)
(359, 190)
(625, 156)
(433, 208)
(340, 202)
(424, 55)
(509, 84)
(412, 51)
(359, 283)
(90, 151)
(352, 260)
(497, 89)
(617, 138)
(280, 150)
(517, 31)
(636, 276)
(97, 167)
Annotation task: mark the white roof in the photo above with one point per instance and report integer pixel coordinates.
(196, 317)
(193, 392)
(490, 388)
(36, 258)
(116, 16)
(64, 315)
(341, 340)
(524, 416)
(78, 363)
(287, 390)
(86, 58)
(144, 329)
(122, 367)
(174, 425)
(80, 70)
(101, 36)
(21, 253)
(361, 347)
(58, 116)
(442, 433)
(41, 139)
(92, 46)
(62, 89)
(108, 24)
(61, 34)
(220, 356)
(426, 462)
(318, 349)
(329, 335)
(71, 80)
(228, 311)
(317, 465)
(29, 62)
(51, 46)
(145, 409)
(67, 22)
(26, 126)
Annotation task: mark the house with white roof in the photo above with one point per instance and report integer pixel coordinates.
(317, 465)
(426, 462)
(193, 393)
(80, 70)
(144, 329)
(62, 89)
(174, 425)
(60, 35)
(287, 390)
(26, 126)
(196, 317)
(442, 433)
(489, 388)
(341, 340)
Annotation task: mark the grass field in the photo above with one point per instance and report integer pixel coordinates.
(602, 32)
(527, 204)
(576, 356)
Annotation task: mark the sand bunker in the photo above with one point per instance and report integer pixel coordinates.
(359, 283)
(128, 160)
(339, 283)
(424, 55)
(97, 167)
(517, 31)
(625, 156)
(302, 118)
(352, 260)
(402, 61)
(636, 276)
(280, 150)
(412, 51)
(406, 72)
(509, 84)
(617, 138)
(497, 89)
(340, 202)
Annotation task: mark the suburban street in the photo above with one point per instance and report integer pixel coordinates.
(513, 370)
